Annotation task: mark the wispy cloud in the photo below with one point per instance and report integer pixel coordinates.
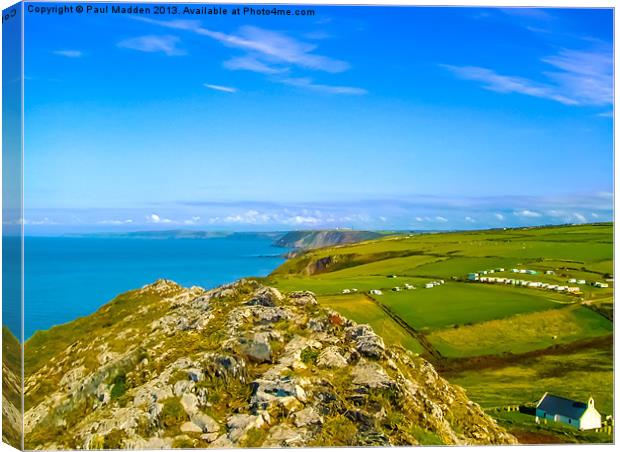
(248, 63)
(69, 53)
(224, 89)
(499, 216)
(265, 44)
(308, 83)
(116, 222)
(526, 213)
(271, 53)
(508, 84)
(575, 77)
(166, 44)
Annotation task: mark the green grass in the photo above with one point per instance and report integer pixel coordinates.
(522, 333)
(464, 303)
(577, 375)
(359, 308)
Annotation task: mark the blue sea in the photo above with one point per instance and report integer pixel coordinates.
(70, 277)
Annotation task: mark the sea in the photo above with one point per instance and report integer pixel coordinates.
(70, 277)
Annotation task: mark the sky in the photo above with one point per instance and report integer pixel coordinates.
(357, 117)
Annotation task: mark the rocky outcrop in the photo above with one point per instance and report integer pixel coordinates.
(242, 365)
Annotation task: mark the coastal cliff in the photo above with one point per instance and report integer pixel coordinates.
(305, 240)
(242, 365)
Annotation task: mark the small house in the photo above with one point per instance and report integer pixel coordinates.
(549, 272)
(581, 281)
(396, 289)
(346, 291)
(409, 287)
(472, 276)
(429, 285)
(572, 280)
(500, 269)
(376, 292)
(577, 414)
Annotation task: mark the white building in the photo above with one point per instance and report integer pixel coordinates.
(577, 414)
(376, 292)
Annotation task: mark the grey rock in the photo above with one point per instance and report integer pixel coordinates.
(370, 375)
(303, 298)
(266, 296)
(182, 387)
(330, 358)
(285, 436)
(240, 424)
(206, 423)
(190, 427)
(307, 416)
(367, 342)
(190, 403)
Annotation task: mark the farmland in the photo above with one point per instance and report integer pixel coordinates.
(501, 341)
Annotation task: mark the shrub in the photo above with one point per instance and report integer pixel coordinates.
(309, 355)
(172, 413)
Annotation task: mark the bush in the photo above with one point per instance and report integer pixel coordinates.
(172, 413)
(309, 355)
(119, 388)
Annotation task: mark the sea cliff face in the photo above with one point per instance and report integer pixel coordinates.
(241, 365)
(305, 240)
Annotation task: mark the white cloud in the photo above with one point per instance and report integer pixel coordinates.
(69, 53)
(594, 215)
(154, 218)
(308, 83)
(252, 64)
(265, 44)
(575, 77)
(580, 218)
(499, 216)
(166, 44)
(419, 219)
(300, 220)
(441, 219)
(224, 89)
(116, 222)
(193, 220)
(271, 53)
(470, 220)
(493, 81)
(527, 213)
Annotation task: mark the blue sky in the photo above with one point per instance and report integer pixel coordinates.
(363, 117)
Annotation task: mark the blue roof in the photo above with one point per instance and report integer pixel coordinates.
(559, 405)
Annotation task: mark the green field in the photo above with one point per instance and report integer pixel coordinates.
(522, 333)
(511, 343)
(463, 303)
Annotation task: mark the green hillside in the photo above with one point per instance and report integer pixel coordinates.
(482, 334)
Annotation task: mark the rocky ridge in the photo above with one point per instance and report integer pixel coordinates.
(242, 365)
